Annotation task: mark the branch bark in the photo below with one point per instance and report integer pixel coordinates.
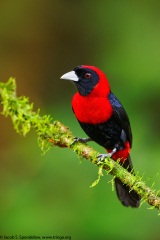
(55, 133)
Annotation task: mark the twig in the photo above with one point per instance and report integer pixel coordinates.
(55, 133)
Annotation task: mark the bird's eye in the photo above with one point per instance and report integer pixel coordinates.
(87, 75)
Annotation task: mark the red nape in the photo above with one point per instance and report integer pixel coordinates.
(103, 87)
(121, 154)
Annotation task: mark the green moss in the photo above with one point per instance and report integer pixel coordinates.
(53, 133)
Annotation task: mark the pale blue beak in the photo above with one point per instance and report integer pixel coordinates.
(70, 76)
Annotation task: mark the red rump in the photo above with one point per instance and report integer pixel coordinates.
(121, 154)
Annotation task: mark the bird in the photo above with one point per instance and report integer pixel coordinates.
(104, 119)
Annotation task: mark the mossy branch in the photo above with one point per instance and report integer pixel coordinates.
(55, 133)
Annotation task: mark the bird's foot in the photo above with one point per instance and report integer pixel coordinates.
(81, 140)
(101, 157)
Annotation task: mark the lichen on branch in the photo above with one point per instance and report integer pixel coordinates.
(51, 133)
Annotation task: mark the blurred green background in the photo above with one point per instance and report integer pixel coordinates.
(40, 40)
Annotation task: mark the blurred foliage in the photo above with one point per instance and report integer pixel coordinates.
(39, 41)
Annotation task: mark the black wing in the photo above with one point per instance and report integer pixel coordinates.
(120, 116)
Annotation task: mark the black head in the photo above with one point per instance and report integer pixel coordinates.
(89, 79)
(85, 78)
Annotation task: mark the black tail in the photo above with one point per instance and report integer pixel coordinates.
(125, 195)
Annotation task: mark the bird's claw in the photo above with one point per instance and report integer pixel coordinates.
(81, 140)
(101, 157)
